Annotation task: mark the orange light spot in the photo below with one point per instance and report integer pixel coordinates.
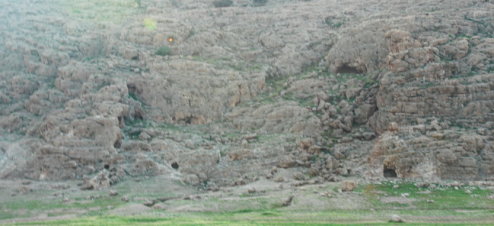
(170, 39)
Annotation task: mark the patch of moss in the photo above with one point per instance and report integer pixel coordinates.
(163, 51)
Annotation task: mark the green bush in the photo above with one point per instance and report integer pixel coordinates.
(163, 51)
(331, 23)
(222, 3)
(260, 2)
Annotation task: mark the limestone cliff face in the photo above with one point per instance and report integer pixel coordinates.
(348, 87)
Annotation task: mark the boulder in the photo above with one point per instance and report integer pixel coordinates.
(278, 179)
(348, 185)
(313, 172)
(192, 179)
(286, 162)
(397, 219)
(298, 176)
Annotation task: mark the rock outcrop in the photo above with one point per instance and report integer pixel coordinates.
(331, 88)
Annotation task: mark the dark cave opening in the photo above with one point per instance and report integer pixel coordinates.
(185, 121)
(138, 116)
(175, 165)
(345, 69)
(107, 166)
(117, 143)
(390, 173)
(188, 120)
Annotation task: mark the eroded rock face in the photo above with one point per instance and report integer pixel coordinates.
(347, 87)
(445, 154)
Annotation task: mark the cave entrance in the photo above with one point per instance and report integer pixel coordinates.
(174, 165)
(345, 69)
(138, 116)
(107, 166)
(118, 143)
(390, 173)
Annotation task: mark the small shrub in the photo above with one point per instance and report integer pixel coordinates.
(176, 3)
(260, 2)
(191, 33)
(163, 51)
(331, 23)
(150, 24)
(222, 3)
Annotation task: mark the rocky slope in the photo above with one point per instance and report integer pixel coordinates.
(368, 88)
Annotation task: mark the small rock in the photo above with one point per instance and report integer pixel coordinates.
(113, 193)
(251, 190)
(396, 186)
(274, 170)
(468, 192)
(240, 181)
(66, 199)
(244, 143)
(279, 179)
(149, 203)
(369, 135)
(313, 172)
(348, 185)
(159, 206)
(288, 201)
(298, 176)
(24, 189)
(430, 201)
(189, 144)
(456, 188)
(249, 136)
(144, 136)
(110, 207)
(191, 179)
(125, 199)
(481, 131)
(202, 176)
(397, 219)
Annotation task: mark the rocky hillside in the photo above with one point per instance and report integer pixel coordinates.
(103, 91)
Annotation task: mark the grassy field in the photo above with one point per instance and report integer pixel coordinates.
(276, 218)
(369, 204)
